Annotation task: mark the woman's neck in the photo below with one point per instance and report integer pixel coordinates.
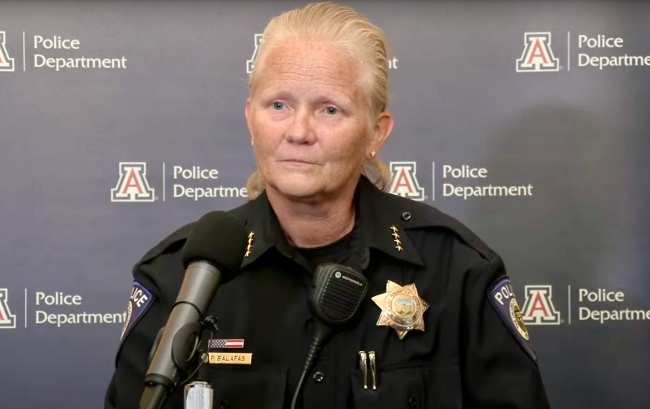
(314, 222)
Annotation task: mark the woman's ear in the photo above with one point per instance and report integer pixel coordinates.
(247, 114)
(382, 130)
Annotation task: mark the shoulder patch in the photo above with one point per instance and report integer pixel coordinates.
(502, 298)
(140, 301)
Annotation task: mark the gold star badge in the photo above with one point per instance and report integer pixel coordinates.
(401, 308)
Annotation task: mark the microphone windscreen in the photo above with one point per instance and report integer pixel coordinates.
(220, 239)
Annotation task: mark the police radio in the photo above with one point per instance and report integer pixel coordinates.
(337, 294)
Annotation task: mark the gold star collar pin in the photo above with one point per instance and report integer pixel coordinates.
(401, 308)
(396, 238)
(249, 246)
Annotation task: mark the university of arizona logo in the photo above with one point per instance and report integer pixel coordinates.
(539, 308)
(405, 182)
(132, 185)
(7, 319)
(6, 62)
(251, 63)
(537, 55)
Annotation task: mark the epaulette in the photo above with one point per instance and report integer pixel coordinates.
(183, 233)
(422, 215)
(179, 235)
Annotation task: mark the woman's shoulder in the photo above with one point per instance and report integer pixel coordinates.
(432, 222)
(173, 242)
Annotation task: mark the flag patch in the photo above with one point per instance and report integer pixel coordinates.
(225, 343)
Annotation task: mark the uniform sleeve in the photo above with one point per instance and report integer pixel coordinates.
(132, 360)
(498, 371)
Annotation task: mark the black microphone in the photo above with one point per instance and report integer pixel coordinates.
(336, 298)
(212, 255)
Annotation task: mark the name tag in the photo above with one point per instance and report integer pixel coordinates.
(231, 358)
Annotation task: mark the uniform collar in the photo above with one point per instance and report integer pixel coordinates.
(377, 215)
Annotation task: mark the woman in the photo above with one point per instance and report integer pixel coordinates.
(317, 115)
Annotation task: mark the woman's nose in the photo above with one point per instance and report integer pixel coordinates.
(300, 131)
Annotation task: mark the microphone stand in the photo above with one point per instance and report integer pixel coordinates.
(187, 357)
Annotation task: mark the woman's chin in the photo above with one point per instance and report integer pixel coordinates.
(297, 186)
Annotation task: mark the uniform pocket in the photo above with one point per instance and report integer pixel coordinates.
(239, 387)
(409, 386)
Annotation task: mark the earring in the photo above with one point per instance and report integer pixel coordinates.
(252, 142)
(373, 154)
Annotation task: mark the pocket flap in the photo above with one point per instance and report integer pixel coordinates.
(261, 387)
(410, 386)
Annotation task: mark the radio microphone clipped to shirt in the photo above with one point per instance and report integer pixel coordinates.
(337, 296)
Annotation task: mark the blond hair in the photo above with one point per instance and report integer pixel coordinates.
(351, 31)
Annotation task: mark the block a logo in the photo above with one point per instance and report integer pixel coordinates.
(251, 63)
(132, 185)
(6, 62)
(405, 182)
(539, 308)
(537, 55)
(7, 320)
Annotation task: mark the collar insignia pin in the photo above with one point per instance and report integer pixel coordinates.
(401, 308)
(249, 246)
(396, 238)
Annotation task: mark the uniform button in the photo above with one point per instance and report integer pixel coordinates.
(406, 216)
(413, 402)
(319, 377)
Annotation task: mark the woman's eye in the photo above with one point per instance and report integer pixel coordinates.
(278, 105)
(332, 110)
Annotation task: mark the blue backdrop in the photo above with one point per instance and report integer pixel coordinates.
(549, 98)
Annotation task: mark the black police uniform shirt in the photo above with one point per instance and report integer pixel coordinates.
(473, 352)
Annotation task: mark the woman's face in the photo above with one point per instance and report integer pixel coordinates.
(309, 119)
